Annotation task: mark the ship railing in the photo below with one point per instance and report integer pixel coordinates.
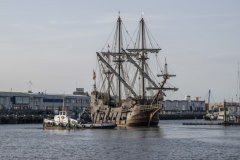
(153, 107)
(89, 107)
(102, 108)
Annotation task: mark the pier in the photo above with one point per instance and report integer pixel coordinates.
(220, 123)
(202, 123)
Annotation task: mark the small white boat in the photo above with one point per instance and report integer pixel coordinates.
(62, 120)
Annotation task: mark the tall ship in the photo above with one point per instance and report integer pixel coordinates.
(129, 79)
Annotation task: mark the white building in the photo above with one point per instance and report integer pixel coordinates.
(184, 105)
(42, 101)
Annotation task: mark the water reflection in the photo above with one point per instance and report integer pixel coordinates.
(141, 132)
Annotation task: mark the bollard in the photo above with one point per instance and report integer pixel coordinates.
(32, 119)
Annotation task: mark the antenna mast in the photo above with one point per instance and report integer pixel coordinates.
(29, 88)
(238, 85)
(209, 97)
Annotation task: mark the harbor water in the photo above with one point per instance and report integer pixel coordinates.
(170, 140)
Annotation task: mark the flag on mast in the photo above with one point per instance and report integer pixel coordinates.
(94, 75)
(142, 14)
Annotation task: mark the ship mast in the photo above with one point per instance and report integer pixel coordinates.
(119, 59)
(140, 47)
(137, 56)
(143, 58)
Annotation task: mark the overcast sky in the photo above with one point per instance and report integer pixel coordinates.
(53, 43)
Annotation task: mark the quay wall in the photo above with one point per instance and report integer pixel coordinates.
(24, 116)
(171, 115)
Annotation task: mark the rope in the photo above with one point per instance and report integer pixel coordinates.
(115, 40)
(149, 37)
(154, 38)
(170, 94)
(108, 37)
(132, 36)
(127, 44)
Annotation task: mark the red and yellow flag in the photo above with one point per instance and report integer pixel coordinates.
(94, 75)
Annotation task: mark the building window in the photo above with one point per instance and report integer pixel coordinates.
(2, 100)
(18, 100)
(53, 100)
(21, 100)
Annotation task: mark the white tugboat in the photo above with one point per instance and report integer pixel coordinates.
(64, 121)
(60, 120)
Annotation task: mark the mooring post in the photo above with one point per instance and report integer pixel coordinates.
(225, 116)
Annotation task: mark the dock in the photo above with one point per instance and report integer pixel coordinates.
(220, 123)
(202, 123)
